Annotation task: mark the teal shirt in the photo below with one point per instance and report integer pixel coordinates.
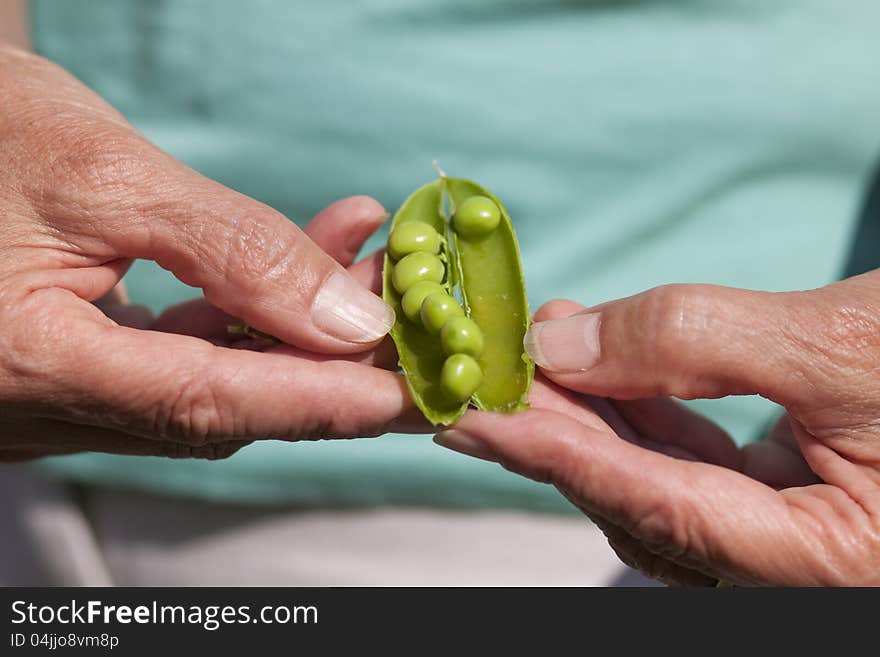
(634, 143)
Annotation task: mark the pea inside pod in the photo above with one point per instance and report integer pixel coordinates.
(437, 309)
(461, 335)
(456, 353)
(476, 217)
(413, 237)
(416, 268)
(414, 297)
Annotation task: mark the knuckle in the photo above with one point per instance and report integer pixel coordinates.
(191, 414)
(671, 314)
(654, 525)
(260, 250)
(673, 320)
(666, 529)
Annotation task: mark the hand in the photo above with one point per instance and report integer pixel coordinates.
(82, 194)
(674, 495)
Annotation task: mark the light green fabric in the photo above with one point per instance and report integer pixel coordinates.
(635, 143)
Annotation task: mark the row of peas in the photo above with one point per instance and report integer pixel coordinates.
(418, 275)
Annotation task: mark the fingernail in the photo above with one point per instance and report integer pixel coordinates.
(356, 241)
(381, 217)
(348, 311)
(464, 443)
(565, 345)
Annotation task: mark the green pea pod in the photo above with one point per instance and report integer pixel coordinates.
(487, 275)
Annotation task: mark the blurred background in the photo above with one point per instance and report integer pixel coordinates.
(634, 143)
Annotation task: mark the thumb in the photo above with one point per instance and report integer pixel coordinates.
(686, 341)
(108, 195)
(251, 261)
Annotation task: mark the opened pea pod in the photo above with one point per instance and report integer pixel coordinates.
(453, 276)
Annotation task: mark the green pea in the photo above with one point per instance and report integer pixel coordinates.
(417, 267)
(436, 309)
(460, 377)
(476, 217)
(413, 237)
(414, 296)
(461, 335)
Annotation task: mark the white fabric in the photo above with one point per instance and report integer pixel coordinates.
(58, 535)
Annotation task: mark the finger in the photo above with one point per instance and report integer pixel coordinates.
(687, 341)
(384, 355)
(185, 389)
(92, 283)
(661, 419)
(250, 260)
(635, 555)
(680, 510)
(342, 228)
(858, 482)
(594, 412)
(119, 293)
(782, 433)
(557, 309)
(198, 318)
(777, 461)
(669, 422)
(132, 315)
(776, 466)
(48, 437)
(368, 271)
(624, 429)
(601, 414)
(545, 394)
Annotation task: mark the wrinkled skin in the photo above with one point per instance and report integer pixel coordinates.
(82, 194)
(674, 495)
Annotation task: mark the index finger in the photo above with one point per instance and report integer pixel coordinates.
(691, 513)
(176, 387)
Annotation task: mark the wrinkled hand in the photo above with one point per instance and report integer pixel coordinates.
(82, 194)
(673, 494)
